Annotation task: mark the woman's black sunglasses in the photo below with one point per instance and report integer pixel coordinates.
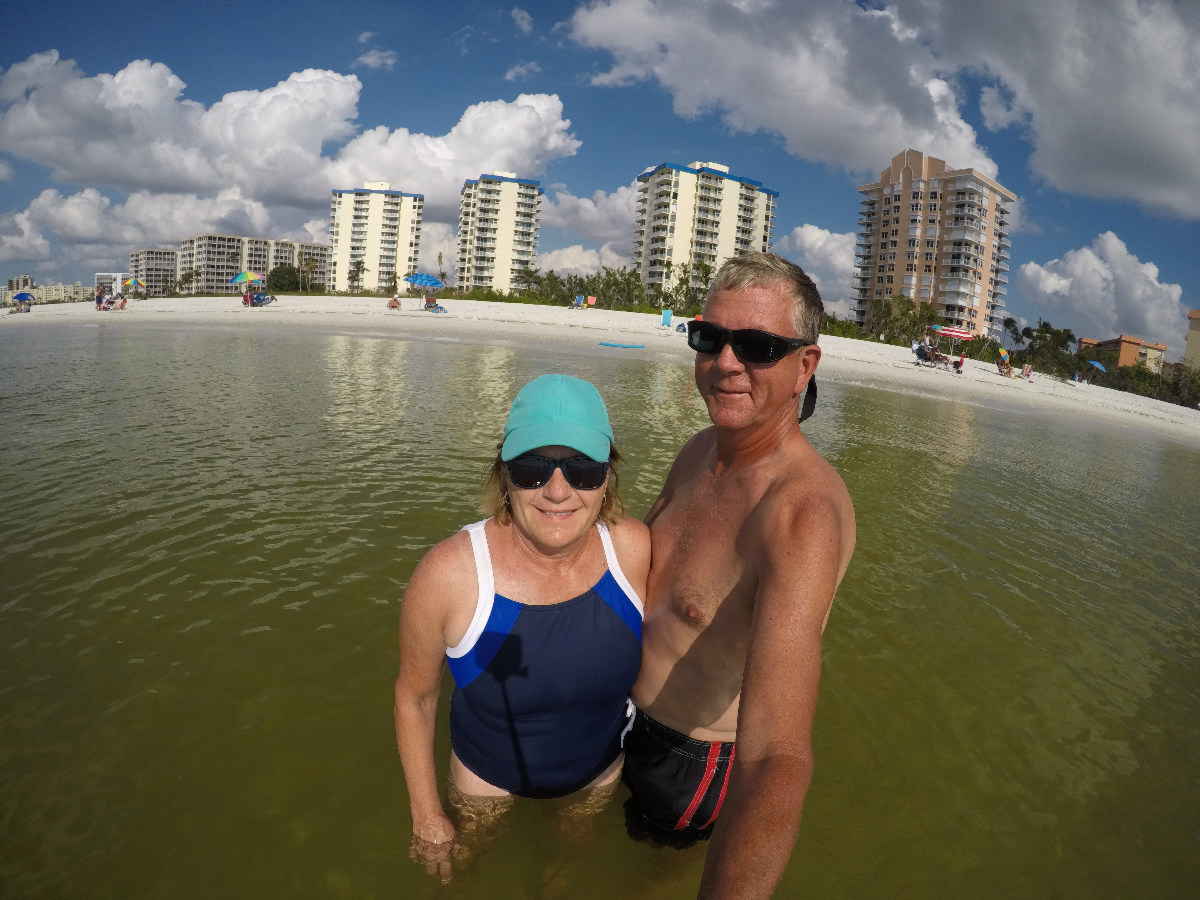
(529, 471)
(749, 344)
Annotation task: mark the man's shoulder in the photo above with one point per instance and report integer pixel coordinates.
(803, 484)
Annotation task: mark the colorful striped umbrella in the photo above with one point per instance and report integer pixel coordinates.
(243, 277)
(133, 283)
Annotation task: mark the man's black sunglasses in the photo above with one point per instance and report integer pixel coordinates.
(529, 471)
(749, 344)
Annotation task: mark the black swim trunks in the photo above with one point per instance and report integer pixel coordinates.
(678, 783)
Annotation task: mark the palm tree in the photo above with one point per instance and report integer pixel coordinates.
(1010, 326)
(310, 268)
(355, 274)
(527, 277)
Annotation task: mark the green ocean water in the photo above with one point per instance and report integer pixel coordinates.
(206, 534)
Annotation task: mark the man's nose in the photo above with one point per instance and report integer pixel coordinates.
(727, 360)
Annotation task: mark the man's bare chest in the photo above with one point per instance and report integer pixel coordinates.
(699, 561)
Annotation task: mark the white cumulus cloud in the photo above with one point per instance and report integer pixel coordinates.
(1103, 290)
(521, 71)
(828, 258)
(523, 20)
(606, 217)
(154, 167)
(838, 83)
(377, 59)
(1103, 90)
(580, 260)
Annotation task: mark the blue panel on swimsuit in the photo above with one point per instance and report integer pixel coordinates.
(467, 667)
(619, 602)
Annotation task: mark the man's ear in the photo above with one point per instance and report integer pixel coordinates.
(809, 357)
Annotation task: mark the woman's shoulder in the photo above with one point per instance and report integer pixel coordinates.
(631, 540)
(445, 565)
(630, 529)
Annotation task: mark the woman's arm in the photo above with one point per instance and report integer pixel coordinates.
(424, 614)
(631, 540)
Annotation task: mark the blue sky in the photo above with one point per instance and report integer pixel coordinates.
(129, 124)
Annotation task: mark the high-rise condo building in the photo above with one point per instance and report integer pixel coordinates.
(376, 235)
(935, 235)
(1191, 352)
(697, 215)
(498, 219)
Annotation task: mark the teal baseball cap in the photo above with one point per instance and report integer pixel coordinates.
(558, 410)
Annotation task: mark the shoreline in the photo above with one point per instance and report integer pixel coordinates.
(636, 335)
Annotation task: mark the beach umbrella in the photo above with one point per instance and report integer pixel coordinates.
(1092, 362)
(955, 334)
(134, 283)
(421, 280)
(24, 297)
(958, 334)
(243, 277)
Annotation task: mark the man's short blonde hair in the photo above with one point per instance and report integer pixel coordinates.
(763, 269)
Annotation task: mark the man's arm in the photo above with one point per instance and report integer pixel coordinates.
(799, 562)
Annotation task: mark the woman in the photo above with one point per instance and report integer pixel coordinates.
(538, 611)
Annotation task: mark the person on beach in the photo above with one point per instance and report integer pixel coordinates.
(537, 610)
(99, 297)
(751, 535)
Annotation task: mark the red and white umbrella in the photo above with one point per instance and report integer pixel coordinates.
(955, 334)
(959, 334)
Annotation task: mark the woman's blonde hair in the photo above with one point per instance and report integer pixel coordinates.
(497, 505)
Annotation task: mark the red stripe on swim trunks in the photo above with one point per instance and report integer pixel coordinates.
(724, 788)
(710, 770)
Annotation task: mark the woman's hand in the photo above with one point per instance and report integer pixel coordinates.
(433, 846)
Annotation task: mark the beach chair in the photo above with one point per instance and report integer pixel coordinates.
(430, 304)
(577, 303)
(1027, 372)
(924, 359)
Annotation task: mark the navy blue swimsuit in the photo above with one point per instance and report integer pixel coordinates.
(541, 691)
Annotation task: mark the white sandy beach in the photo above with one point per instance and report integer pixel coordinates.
(851, 361)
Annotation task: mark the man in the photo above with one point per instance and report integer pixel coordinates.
(751, 536)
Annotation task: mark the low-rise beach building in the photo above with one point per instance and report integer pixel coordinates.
(698, 215)
(50, 293)
(935, 235)
(110, 281)
(156, 268)
(215, 259)
(499, 216)
(312, 261)
(376, 236)
(1130, 351)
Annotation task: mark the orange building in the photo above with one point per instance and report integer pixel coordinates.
(936, 235)
(1130, 351)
